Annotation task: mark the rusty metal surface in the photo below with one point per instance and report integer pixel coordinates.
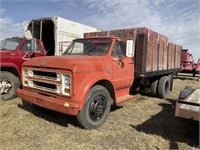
(171, 55)
(189, 107)
(188, 114)
(153, 53)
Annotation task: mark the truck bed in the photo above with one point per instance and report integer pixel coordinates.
(189, 107)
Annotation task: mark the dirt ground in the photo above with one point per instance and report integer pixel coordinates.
(143, 123)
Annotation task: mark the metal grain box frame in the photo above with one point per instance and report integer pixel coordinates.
(153, 53)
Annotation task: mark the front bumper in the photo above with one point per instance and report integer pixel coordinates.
(51, 103)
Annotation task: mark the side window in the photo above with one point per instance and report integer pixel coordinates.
(24, 46)
(119, 50)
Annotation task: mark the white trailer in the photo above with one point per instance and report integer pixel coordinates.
(55, 32)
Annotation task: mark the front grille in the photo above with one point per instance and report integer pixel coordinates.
(45, 81)
(45, 85)
(47, 74)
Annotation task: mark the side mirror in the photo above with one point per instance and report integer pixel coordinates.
(130, 48)
(33, 44)
(28, 46)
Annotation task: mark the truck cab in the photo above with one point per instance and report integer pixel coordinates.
(91, 75)
(14, 51)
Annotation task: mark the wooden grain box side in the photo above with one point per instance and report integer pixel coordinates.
(178, 56)
(169, 50)
(171, 56)
(163, 52)
(154, 53)
(122, 33)
(174, 56)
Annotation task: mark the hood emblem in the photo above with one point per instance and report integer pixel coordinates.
(42, 64)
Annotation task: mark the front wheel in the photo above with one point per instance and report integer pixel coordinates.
(95, 109)
(8, 85)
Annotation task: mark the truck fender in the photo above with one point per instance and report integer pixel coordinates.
(11, 67)
(89, 82)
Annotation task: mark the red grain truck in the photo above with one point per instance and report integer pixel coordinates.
(100, 70)
(13, 52)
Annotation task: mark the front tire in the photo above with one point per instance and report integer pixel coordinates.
(8, 85)
(95, 109)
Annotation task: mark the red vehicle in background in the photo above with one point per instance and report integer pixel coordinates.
(187, 63)
(198, 68)
(14, 51)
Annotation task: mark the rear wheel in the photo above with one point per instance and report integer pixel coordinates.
(163, 87)
(96, 108)
(154, 87)
(8, 85)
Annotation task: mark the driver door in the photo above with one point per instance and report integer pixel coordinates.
(123, 67)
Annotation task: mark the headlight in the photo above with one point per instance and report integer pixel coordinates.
(30, 73)
(66, 84)
(67, 80)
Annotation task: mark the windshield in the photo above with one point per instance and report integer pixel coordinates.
(88, 47)
(10, 44)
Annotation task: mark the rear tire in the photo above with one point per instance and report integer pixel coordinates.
(163, 87)
(154, 88)
(8, 79)
(95, 109)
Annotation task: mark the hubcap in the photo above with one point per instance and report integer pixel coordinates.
(5, 86)
(97, 108)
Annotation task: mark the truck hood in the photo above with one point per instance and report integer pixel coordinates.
(68, 62)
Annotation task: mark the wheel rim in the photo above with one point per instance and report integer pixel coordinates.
(5, 86)
(97, 108)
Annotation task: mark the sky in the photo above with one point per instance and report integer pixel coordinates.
(179, 20)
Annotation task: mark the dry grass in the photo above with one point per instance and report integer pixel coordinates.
(146, 123)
